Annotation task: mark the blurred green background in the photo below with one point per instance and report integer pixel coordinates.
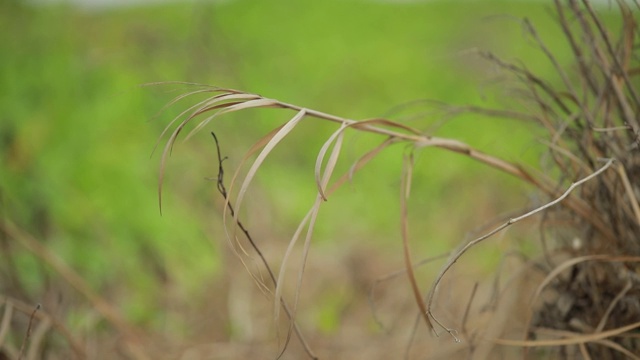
(77, 133)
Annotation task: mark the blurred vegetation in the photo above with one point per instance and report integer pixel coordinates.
(77, 132)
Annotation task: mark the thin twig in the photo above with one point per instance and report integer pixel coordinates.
(578, 55)
(584, 351)
(11, 303)
(621, 71)
(498, 229)
(28, 334)
(6, 322)
(569, 339)
(37, 339)
(467, 310)
(630, 193)
(610, 129)
(223, 191)
(371, 296)
(405, 190)
(612, 305)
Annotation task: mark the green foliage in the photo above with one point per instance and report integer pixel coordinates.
(76, 167)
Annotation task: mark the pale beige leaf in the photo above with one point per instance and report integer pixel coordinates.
(320, 159)
(220, 99)
(281, 134)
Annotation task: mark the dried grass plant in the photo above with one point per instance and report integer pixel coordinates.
(586, 304)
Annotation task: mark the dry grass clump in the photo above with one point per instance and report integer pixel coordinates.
(592, 256)
(586, 304)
